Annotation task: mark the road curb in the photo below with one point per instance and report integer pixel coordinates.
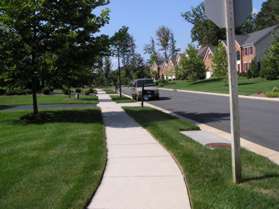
(223, 95)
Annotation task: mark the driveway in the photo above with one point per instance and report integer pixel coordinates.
(259, 120)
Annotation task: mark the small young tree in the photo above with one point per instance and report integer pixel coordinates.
(270, 62)
(154, 59)
(220, 63)
(254, 71)
(191, 67)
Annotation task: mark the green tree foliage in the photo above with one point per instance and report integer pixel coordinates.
(204, 31)
(191, 67)
(270, 63)
(48, 32)
(269, 14)
(249, 26)
(220, 63)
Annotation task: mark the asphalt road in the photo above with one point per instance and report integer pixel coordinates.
(259, 120)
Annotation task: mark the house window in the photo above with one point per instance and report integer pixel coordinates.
(238, 55)
(246, 51)
(251, 50)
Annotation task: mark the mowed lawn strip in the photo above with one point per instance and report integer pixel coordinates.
(208, 172)
(246, 86)
(56, 164)
(122, 99)
(47, 99)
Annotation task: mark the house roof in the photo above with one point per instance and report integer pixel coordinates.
(253, 38)
(205, 50)
(202, 51)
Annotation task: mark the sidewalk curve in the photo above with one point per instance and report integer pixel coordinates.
(140, 173)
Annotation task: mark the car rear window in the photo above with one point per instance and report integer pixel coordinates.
(146, 83)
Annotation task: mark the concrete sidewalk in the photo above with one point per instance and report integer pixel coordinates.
(140, 173)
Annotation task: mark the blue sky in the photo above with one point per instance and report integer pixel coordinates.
(143, 17)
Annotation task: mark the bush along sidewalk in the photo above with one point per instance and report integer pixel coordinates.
(274, 93)
(208, 172)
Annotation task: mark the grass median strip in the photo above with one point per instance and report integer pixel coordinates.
(54, 163)
(122, 99)
(208, 171)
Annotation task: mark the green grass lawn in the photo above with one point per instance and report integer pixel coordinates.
(122, 99)
(42, 99)
(208, 172)
(246, 86)
(56, 164)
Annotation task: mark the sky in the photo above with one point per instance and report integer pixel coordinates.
(144, 17)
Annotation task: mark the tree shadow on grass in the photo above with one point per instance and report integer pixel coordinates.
(259, 178)
(207, 81)
(65, 116)
(5, 107)
(89, 99)
(205, 117)
(246, 83)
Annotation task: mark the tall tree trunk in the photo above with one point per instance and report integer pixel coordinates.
(119, 75)
(34, 96)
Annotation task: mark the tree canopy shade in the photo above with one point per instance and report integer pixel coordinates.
(53, 38)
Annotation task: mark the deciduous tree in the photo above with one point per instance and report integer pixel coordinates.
(220, 63)
(191, 66)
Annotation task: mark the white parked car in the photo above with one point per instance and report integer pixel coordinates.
(150, 90)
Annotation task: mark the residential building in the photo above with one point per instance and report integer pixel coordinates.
(167, 69)
(248, 48)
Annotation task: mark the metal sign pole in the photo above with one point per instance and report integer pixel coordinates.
(233, 82)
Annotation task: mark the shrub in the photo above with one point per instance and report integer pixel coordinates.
(162, 83)
(46, 91)
(90, 91)
(273, 93)
(78, 91)
(275, 89)
(17, 91)
(67, 91)
(2, 91)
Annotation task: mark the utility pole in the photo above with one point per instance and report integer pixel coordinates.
(233, 83)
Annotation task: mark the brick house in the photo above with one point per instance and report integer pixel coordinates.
(248, 48)
(167, 69)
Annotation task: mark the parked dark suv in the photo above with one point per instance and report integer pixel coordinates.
(150, 90)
